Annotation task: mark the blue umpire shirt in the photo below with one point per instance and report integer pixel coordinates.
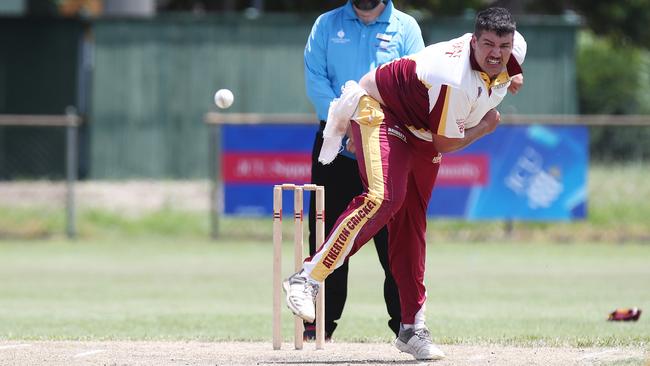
(341, 48)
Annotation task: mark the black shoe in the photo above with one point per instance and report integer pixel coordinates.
(309, 334)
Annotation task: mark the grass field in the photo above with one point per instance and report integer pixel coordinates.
(165, 289)
(156, 276)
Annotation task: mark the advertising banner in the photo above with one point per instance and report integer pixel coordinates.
(531, 172)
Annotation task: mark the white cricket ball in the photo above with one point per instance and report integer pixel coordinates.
(223, 98)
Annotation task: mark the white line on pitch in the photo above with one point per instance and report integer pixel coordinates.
(597, 354)
(15, 346)
(89, 353)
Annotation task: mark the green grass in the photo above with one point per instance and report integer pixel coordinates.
(157, 276)
(159, 289)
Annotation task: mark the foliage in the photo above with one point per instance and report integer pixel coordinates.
(622, 20)
(608, 81)
(441, 7)
(620, 143)
(614, 80)
(435, 7)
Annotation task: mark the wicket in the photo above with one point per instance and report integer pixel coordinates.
(298, 258)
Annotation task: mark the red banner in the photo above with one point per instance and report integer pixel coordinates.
(464, 170)
(259, 167)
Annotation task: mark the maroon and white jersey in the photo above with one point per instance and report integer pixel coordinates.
(442, 90)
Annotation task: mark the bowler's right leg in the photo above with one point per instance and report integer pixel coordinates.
(407, 247)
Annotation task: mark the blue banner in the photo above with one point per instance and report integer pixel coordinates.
(531, 172)
(535, 173)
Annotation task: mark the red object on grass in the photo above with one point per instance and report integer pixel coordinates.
(625, 314)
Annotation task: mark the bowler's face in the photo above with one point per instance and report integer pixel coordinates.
(492, 52)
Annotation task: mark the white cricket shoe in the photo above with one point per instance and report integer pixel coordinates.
(301, 295)
(418, 343)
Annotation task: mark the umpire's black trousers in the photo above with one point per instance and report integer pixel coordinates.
(342, 183)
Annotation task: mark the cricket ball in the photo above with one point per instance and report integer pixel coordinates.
(223, 98)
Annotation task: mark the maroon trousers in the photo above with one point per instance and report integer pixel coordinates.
(398, 172)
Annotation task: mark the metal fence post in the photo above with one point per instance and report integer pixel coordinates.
(71, 170)
(214, 159)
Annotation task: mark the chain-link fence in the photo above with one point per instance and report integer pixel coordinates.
(40, 147)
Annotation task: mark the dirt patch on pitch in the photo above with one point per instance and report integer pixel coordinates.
(245, 353)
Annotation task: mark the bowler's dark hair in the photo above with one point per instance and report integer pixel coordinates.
(498, 20)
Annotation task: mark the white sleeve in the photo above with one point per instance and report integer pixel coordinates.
(519, 47)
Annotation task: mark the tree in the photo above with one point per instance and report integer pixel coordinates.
(434, 7)
(608, 76)
(624, 21)
(614, 80)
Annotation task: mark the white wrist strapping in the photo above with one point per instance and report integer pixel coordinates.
(341, 110)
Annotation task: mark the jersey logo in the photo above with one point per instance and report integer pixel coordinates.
(456, 49)
(461, 125)
(397, 133)
(340, 37)
(437, 159)
(480, 91)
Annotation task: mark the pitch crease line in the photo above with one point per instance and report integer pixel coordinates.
(12, 346)
(89, 353)
(597, 354)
